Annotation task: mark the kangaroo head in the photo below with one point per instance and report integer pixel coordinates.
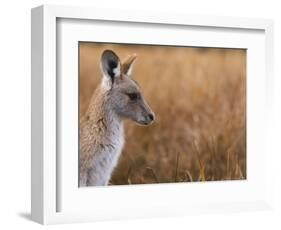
(124, 94)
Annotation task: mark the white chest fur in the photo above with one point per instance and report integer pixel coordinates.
(106, 158)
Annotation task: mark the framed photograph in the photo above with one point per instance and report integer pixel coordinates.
(141, 114)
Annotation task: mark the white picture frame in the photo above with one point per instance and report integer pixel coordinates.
(55, 195)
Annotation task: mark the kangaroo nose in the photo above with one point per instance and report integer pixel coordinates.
(151, 116)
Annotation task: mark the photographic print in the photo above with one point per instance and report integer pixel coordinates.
(161, 114)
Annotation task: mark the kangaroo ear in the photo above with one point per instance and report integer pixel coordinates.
(127, 66)
(110, 65)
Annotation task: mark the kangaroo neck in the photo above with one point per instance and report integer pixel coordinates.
(104, 119)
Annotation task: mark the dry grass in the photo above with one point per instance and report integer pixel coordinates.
(199, 98)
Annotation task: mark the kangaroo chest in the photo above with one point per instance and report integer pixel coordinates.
(106, 157)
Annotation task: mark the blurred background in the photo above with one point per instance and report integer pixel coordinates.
(199, 98)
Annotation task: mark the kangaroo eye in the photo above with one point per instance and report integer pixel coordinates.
(133, 96)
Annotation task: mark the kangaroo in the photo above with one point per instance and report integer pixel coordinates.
(117, 97)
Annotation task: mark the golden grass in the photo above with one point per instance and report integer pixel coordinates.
(199, 98)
